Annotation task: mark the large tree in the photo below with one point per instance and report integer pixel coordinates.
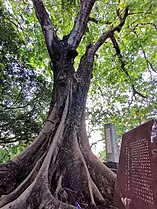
(58, 170)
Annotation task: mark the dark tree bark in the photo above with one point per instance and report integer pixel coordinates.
(58, 170)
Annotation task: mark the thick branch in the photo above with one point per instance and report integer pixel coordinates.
(84, 72)
(109, 33)
(51, 38)
(81, 21)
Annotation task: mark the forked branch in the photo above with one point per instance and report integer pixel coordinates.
(110, 32)
(137, 92)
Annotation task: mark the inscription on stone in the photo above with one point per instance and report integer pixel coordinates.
(136, 186)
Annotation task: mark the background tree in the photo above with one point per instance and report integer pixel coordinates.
(62, 171)
(25, 94)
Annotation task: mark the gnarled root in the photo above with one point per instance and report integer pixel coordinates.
(64, 175)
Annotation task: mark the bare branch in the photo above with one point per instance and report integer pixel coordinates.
(81, 21)
(51, 38)
(110, 32)
(137, 92)
(95, 143)
(12, 108)
(118, 53)
(149, 64)
(139, 13)
(6, 139)
(145, 24)
(91, 19)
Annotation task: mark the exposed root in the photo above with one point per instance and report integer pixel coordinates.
(49, 202)
(5, 199)
(20, 195)
(21, 165)
(96, 191)
(54, 147)
(86, 169)
(59, 186)
(20, 202)
(85, 183)
(93, 190)
(103, 177)
(37, 143)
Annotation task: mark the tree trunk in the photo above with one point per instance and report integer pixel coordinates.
(59, 170)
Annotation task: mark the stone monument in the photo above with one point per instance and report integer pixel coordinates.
(136, 186)
(111, 144)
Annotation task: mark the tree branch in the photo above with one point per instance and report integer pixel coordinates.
(137, 92)
(118, 53)
(88, 57)
(146, 24)
(7, 140)
(95, 143)
(51, 38)
(12, 108)
(91, 19)
(81, 21)
(110, 32)
(149, 64)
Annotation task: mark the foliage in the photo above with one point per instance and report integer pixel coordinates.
(24, 93)
(112, 98)
(9, 151)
